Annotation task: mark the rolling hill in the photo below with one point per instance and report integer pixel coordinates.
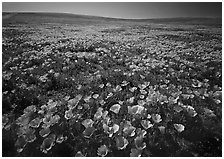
(66, 18)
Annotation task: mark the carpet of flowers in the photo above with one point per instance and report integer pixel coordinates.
(111, 90)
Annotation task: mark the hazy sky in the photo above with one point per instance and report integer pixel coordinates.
(121, 9)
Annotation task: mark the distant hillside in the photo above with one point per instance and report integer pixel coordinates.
(65, 18)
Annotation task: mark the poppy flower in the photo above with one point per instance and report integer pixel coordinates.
(209, 112)
(115, 108)
(87, 123)
(52, 110)
(20, 143)
(115, 128)
(117, 88)
(141, 102)
(87, 99)
(143, 91)
(136, 109)
(105, 128)
(68, 114)
(146, 124)
(88, 132)
(120, 102)
(5, 120)
(47, 119)
(79, 86)
(95, 96)
(149, 116)
(131, 100)
(129, 130)
(35, 123)
(162, 129)
(102, 151)
(121, 142)
(60, 139)
(98, 113)
(133, 89)
(191, 111)
(108, 85)
(217, 94)
(55, 119)
(156, 118)
(51, 104)
(217, 101)
(43, 109)
(102, 102)
(179, 127)
(109, 95)
(135, 153)
(141, 97)
(173, 100)
(104, 115)
(162, 99)
(45, 132)
(124, 83)
(48, 143)
(66, 98)
(74, 102)
(30, 137)
(142, 86)
(86, 106)
(101, 85)
(177, 108)
(23, 120)
(30, 109)
(139, 144)
(141, 132)
(79, 154)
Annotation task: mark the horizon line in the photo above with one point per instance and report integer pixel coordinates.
(112, 17)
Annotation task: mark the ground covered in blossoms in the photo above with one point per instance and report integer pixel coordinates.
(87, 86)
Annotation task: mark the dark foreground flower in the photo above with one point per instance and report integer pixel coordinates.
(72, 103)
(179, 127)
(48, 143)
(35, 123)
(20, 143)
(121, 142)
(191, 111)
(79, 154)
(61, 138)
(177, 108)
(87, 123)
(162, 129)
(141, 132)
(140, 145)
(156, 118)
(115, 108)
(129, 130)
(45, 132)
(209, 112)
(88, 132)
(30, 109)
(135, 153)
(23, 120)
(98, 113)
(5, 120)
(136, 109)
(146, 124)
(68, 114)
(55, 119)
(102, 151)
(30, 137)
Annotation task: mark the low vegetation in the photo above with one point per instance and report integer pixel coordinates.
(114, 88)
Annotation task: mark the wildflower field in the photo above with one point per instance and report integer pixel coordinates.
(89, 86)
